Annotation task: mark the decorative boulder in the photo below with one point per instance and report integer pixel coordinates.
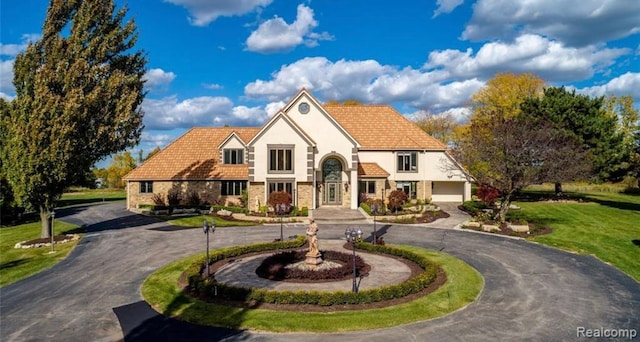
(520, 228)
(224, 212)
(490, 228)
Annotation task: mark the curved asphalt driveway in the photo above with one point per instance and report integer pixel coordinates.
(531, 292)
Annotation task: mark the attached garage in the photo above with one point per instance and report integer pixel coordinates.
(447, 192)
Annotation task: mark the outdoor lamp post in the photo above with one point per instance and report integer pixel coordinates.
(352, 236)
(374, 210)
(53, 216)
(281, 208)
(206, 228)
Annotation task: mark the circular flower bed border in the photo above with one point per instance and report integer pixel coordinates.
(274, 267)
(209, 289)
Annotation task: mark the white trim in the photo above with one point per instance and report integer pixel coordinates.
(318, 105)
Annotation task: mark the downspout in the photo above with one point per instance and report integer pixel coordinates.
(424, 176)
(128, 196)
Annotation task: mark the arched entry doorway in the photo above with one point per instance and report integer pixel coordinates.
(332, 179)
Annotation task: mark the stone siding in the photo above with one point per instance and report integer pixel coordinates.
(209, 192)
(305, 194)
(256, 194)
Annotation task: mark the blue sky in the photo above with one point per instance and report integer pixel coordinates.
(236, 62)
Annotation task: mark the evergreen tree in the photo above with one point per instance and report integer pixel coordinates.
(78, 96)
(585, 119)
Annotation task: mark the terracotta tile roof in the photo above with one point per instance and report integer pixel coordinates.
(380, 127)
(372, 170)
(195, 155)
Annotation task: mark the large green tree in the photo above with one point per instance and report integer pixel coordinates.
(512, 153)
(78, 96)
(628, 119)
(587, 121)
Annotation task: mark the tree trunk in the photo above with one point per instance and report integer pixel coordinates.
(558, 189)
(45, 220)
(505, 203)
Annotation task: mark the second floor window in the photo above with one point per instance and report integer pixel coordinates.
(281, 160)
(234, 156)
(407, 161)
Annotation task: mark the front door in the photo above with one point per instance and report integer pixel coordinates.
(332, 177)
(332, 193)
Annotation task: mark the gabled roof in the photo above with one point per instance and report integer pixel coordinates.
(380, 127)
(194, 156)
(304, 92)
(283, 116)
(371, 170)
(231, 135)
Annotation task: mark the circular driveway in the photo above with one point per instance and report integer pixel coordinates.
(531, 292)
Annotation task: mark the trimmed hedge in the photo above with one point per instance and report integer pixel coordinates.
(198, 286)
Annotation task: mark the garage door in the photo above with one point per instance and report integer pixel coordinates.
(447, 192)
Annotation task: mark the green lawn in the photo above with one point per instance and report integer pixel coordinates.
(605, 225)
(462, 287)
(82, 196)
(16, 264)
(196, 221)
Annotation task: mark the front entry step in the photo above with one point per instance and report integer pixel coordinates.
(337, 214)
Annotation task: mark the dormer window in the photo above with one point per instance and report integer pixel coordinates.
(233, 156)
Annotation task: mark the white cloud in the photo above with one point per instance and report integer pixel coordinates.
(212, 86)
(276, 35)
(550, 59)
(5, 96)
(14, 49)
(250, 115)
(6, 77)
(153, 140)
(273, 107)
(339, 80)
(158, 78)
(574, 22)
(626, 84)
(169, 113)
(446, 6)
(204, 12)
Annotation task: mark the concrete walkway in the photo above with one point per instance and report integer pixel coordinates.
(531, 292)
(335, 214)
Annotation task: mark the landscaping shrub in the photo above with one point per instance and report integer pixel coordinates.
(193, 199)
(158, 200)
(173, 198)
(488, 194)
(279, 197)
(365, 207)
(304, 211)
(474, 207)
(397, 198)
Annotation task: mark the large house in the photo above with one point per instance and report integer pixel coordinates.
(323, 155)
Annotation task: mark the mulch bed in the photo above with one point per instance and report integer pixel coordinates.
(41, 242)
(505, 230)
(441, 279)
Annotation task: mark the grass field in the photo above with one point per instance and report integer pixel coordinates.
(462, 287)
(16, 264)
(605, 224)
(83, 196)
(196, 221)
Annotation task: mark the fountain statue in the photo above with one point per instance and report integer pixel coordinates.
(313, 257)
